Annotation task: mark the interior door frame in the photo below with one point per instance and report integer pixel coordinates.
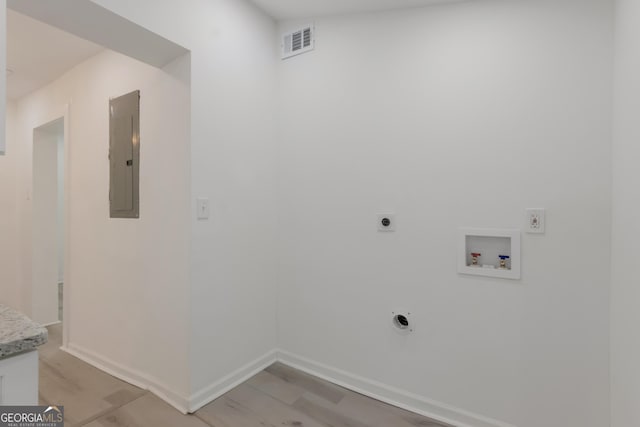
(58, 113)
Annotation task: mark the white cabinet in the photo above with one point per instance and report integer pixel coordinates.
(19, 379)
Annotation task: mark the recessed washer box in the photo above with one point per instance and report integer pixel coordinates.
(493, 246)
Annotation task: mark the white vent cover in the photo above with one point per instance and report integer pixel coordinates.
(299, 41)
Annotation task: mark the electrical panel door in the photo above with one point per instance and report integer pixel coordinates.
(124, 156)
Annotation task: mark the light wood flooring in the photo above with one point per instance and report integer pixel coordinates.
(276, 397)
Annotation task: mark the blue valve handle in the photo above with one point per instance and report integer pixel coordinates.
(504, 257)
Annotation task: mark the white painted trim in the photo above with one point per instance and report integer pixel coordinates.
(59, 112)
(400, 398)
(220, 387)
(388, 394)
(66, 293)
(46, 325)
(131, 376)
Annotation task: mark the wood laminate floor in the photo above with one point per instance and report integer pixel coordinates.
(279, 396)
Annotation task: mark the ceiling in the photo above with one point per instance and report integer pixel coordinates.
(293, 9)
(37, 53)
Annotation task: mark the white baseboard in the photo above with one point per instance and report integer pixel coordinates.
(130, 376)
(376, 390)
(391, 395)
(220, 387)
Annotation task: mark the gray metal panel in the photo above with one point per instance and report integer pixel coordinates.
(124, 156)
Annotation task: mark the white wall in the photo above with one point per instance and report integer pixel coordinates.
(454, 115)
(3, 73)
(233, 255)
(9, 282)
(45, 235)
(127, 288)
(409, 111)
(625, 312)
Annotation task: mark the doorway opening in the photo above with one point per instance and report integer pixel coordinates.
(106, 262)
(48, 222)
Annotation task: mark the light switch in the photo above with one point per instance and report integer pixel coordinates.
(203, 208)
(535, 221)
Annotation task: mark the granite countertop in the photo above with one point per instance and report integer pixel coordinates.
(18, 333)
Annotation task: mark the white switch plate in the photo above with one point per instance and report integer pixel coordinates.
(535, 221)
(387, 222)
(203, 208)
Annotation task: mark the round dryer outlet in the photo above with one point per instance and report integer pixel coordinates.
(401, 321)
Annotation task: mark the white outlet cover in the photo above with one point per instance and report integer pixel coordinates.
(384, 219)
(535, 221)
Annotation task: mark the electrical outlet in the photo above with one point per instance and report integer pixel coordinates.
(387, 222)
(535, 221)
